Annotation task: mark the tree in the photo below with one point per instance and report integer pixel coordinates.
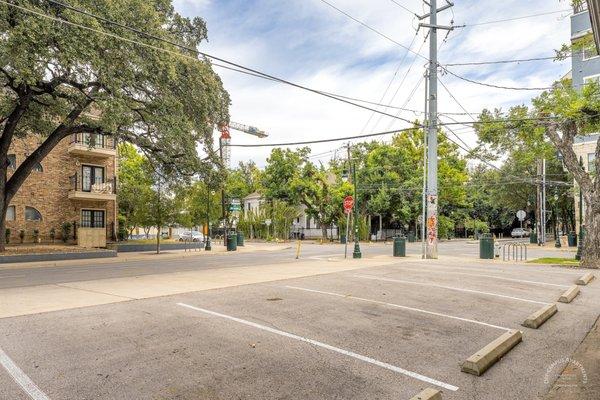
(135, 185)
(322, 193)
(283, 166)
(559, 115)
(61, 80)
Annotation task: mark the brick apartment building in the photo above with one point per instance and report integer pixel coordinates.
(75, 183)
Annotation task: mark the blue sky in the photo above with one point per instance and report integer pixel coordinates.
(308, 42)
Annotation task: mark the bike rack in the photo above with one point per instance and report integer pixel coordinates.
(517, 249)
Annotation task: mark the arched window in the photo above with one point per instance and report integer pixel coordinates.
(10, 213)
(12, 161)
(31, 214)
(38, 168)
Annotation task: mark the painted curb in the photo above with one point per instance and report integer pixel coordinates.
(542, 315)
(584, 280)
(569, 295)
(428, 394)
(479, 362)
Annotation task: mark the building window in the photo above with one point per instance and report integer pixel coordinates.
(31, 214)
(91, 176)
(12, 161)
(38, 168)
(592, 162)
(92, 218)
(10, 213)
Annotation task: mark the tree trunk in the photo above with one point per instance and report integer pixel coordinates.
(591, 244)
(323, 230)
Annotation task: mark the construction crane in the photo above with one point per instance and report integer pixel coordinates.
(225, 138)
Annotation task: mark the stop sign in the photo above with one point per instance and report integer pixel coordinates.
(348, 203)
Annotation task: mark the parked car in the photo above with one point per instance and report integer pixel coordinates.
(193, 236)
(519, 233)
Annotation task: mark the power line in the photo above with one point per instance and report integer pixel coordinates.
(391, 81)
(514, 18)
(322, 140)
(404, 8)
(232, 66)
(522, 60)
(383, 35)
(490, 84)
(400, 86)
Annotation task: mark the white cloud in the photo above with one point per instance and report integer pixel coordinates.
(310, 43)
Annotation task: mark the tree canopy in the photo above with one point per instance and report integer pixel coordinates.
(60, 79)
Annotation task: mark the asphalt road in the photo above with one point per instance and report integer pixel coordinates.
(21, 277)
(382, 332)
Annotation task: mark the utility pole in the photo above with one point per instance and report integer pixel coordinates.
(424, 199)
(432, 140)
(356, 253)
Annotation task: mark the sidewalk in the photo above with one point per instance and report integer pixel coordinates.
(217, 250)
(53, 297)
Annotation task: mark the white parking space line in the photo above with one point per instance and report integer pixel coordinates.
(328, 347)
(21, 378)
(376, 278)
(488, 276)
(437, 314)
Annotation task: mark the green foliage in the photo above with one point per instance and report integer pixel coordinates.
(7, 235)
(122, 231)
(283, 167)
(445, 227)
(65, 229)
(165, 102)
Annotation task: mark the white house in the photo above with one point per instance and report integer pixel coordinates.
(302, 227)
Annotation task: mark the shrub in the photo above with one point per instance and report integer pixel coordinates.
(22, 235)
(52, 234)
(36, 235)
(66, 231)
(7, 235)
(122, 230)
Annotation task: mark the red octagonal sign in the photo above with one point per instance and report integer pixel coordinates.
(348, 203)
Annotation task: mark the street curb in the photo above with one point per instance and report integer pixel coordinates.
(428, 394)
(479, 362)
(569, 295)
(584, 280)
(542, 315)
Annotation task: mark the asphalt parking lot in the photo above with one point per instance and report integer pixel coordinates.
(383, 332)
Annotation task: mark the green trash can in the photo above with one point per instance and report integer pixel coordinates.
(343, 239)
(533, 238)
(232, 242)
(572, 239)
(240, 239)
(399, 246)
(411, 237)
(486, 247)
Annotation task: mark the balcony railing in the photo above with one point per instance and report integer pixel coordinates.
(86, 188)
(93, 141)
(579, 6)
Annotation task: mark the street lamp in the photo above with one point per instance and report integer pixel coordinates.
(580, 236)
(556, 235)
(207, 247)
